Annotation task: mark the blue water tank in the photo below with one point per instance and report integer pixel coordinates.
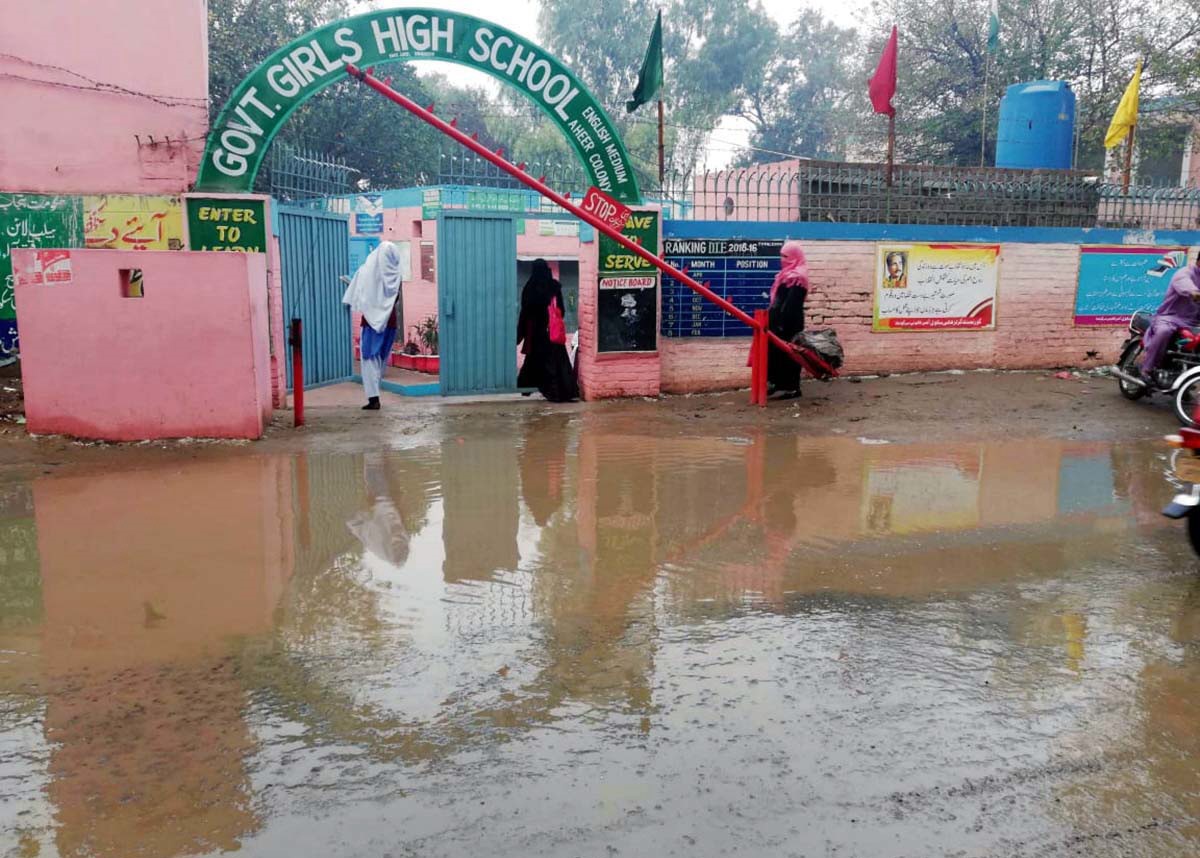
(1037, 126)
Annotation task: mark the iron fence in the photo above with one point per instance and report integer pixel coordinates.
(303, 176)
(920, 194)
(466, 169)
(831, 192)
(1149, 207)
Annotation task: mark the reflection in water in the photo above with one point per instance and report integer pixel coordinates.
(145, 576)
(480, 511)
(543, 463)
(702, 637)
(380, 528)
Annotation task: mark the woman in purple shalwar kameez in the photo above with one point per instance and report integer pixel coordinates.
(1179, 309)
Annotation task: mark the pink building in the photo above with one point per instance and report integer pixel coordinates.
(110, 99)
(103, 96)
(762, 192)
(116, 102)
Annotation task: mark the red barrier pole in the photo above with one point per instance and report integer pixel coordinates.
(755, 364)
(297, 374)
(760, 358)
(558, 199)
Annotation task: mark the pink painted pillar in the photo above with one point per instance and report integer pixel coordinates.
(606, 375)
(277, 342)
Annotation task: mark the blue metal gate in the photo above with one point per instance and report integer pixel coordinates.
(477, 303)
(314, 253)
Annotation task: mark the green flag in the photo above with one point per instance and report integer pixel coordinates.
(651, 77)
(993, 36)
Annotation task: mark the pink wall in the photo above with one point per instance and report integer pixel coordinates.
(548, 246)
(278, 343)
(1035, 323)
(187, 359)
(762, 192)
(420, 296)
(79, 80)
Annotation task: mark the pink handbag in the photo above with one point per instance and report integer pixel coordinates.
(557, 330)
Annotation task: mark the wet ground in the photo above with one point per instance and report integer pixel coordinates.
(607, 631)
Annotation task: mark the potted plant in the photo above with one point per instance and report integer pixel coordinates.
(427, 333)
(406, 358)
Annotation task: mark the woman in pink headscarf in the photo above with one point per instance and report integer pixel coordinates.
(786, 319)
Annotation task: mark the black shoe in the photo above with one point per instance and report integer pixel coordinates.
(784, 394)
(372, 404)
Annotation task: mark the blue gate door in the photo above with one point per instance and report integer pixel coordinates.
(477, 303)
(314, 253)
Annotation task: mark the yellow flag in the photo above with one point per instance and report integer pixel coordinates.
(1126, 116)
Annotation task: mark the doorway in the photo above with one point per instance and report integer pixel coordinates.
(477, 303)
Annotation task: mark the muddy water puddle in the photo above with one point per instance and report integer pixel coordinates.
(577, 636)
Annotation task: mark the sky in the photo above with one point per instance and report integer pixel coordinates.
(521, 17)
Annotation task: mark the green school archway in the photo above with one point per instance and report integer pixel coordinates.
(262, 102)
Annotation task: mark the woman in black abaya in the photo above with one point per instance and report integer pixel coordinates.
(547, 365)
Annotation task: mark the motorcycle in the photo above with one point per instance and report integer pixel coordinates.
(1178, 376)
(1185, 467)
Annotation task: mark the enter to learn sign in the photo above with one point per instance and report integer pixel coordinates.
(216, 223)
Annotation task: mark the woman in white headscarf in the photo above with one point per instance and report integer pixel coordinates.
(375, 293)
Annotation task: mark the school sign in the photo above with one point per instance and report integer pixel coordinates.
(293, 74)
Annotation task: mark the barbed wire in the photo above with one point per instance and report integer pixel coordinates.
(96, 85)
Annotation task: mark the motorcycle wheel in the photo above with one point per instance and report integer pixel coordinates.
(1193, 529)
(1186, 400)
(1128, 363)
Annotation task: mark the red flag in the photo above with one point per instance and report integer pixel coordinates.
(882, 86)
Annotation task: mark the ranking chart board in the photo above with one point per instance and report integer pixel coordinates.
(739, 270)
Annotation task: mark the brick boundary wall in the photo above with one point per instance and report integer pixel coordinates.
(1034, 306)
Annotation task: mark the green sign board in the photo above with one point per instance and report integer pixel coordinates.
(31, 220)
(642, 227)
(627, 296)
(293, 74)
(431, 204)
(497, 201)
(224, 224)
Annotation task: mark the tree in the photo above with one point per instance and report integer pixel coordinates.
(809, 102)
(712, 51)
(387, 147)
(1091, 44)
(242, 33)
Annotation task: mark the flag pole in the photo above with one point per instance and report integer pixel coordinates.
(661, 147)
(662, 85)
(891, 145)
(987, 67)
(1125, 176)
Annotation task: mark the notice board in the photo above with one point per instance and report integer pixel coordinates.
(368, 214)
(31, 220)
(936, 287)
(1115, 281)
(627, 294)
(739, 270)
